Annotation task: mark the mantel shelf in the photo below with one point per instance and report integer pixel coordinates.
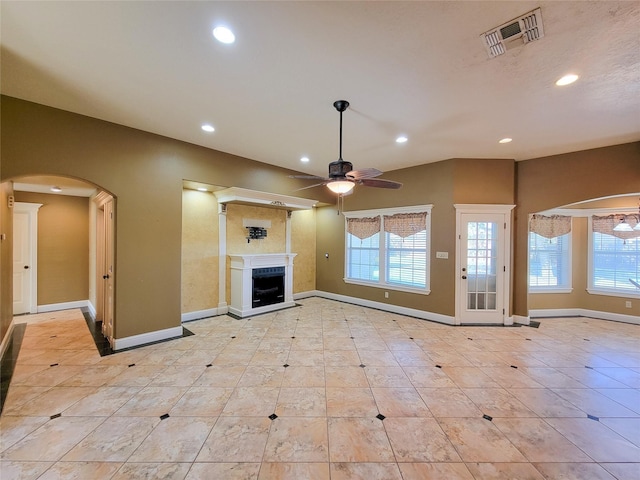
(264, 199)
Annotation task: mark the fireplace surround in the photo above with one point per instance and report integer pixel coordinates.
(261, 283)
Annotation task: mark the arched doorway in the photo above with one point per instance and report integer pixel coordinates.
(578, 269)
(75, 246)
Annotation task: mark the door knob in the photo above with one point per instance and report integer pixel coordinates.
(26, 267)
(464, 277)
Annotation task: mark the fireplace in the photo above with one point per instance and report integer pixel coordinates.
(268, 286)
(261, 283)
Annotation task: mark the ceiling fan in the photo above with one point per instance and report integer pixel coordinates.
(342, 177)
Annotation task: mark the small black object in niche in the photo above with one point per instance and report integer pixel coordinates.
(256, 233)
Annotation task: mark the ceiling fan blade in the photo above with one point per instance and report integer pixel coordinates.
(311, 186)
(364, 173)
(379, 183)
(307, 177)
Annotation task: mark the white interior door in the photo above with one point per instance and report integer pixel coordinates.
(25, 234)
(109, 273)
(21, 264)
(482, 264)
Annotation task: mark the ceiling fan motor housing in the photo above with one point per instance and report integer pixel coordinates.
(339, 169)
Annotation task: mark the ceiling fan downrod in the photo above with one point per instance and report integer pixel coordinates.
(341, 106)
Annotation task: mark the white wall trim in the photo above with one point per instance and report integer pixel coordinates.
(145, 338)
(222, 257)
(521, 320)
(92, 309)
(54, 307)
(200, 314)
(307, 294)
(583, 312)
(7, 338)
(422, 314)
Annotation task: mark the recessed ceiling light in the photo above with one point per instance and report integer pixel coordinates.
(207, 128)
(304, 159)
(202, 189)
(56, 189)
(224, 35)
(567, 80)
(506, 140)
(401, 139)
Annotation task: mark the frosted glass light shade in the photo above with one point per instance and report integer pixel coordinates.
(340, 186)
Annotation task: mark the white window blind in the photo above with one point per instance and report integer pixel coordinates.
(615, 264)
(549, 262)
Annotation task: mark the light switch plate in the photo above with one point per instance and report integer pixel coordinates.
(442, 254)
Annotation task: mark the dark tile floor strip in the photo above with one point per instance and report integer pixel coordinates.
(9, 360)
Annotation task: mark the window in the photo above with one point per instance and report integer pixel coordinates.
(550, 254)
(389, 248)
(614, 259)
(549, 263)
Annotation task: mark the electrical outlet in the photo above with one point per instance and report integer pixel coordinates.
(627, 304)
(386, 294)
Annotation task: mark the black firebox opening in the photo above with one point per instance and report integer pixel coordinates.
(268, 286)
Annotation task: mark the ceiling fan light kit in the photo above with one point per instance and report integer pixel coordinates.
(342, 177)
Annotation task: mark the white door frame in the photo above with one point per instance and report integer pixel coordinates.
(105, 264)
(31, 209)
(504, 255)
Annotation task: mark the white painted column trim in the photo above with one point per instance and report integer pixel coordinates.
(222, 258)
(287, 232)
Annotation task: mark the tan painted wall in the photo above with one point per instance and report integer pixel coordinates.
(200, 244)
(484, 181)
(559, 180)
(63, 247)
(442, 184)
(6, 259)
(144, 172)
(237, 233)
(303, 242)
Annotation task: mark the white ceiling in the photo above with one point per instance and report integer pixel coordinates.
(414, 68)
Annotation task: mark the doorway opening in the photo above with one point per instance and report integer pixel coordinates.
(64, 248)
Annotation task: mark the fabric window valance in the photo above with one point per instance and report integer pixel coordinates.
(550, 226)
(405, 224)
(607, 223)
(363, 227)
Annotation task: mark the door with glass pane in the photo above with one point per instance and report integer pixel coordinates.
(482, 269)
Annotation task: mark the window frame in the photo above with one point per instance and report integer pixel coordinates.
(382, 251)
(568, 287)
(591, 287)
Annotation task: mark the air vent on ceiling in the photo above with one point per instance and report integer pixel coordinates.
(518, 31)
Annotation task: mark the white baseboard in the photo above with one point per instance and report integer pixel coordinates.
(54, 307)
(301, 295)
(583, 312)
(6, 339)
(145, 338)
(521, 320)
(92, 309)
(200, 314)
(387, 307)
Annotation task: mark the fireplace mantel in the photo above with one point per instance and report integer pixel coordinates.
(242, 266)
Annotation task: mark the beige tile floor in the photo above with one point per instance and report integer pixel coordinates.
(327, 370)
